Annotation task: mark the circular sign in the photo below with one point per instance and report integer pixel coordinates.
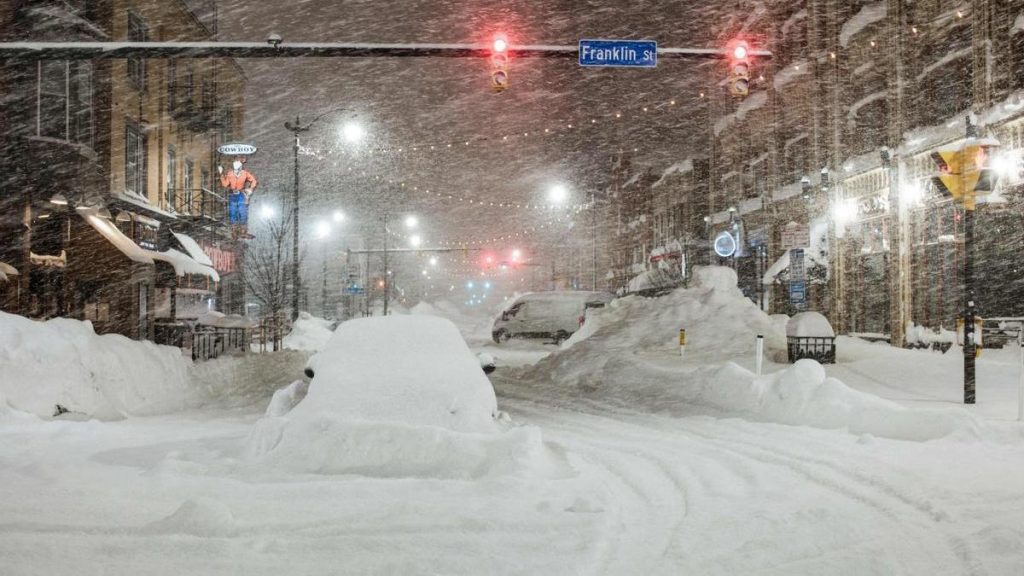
(725, 245)
(236, 149)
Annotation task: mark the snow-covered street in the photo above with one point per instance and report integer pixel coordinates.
(616, 456)
(623, 493)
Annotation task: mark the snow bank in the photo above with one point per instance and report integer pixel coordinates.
(246, 381)
(395, 396)
(720, 324)
(197, 517)
(809, 324)
(626, 356)
(286, 398)
(63, 361)
(308, 333)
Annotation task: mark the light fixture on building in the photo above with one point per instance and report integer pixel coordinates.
(104, 213)
(59, 199)
(123, 216)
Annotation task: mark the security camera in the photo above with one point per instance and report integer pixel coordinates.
(274, 39)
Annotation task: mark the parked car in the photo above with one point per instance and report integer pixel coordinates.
(553, 314)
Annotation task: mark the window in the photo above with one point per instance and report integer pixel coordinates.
(190, 83)
(137, 32)
(64, 105)
(134, 161)
(209, 97)
(53, 99)
(186, 183)
(172, 172)
(172, 84)
(80, 111)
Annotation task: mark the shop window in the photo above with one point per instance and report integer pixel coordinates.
(145, 235)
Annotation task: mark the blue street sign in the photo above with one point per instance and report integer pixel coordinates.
(354, 290)
(797, 292)
(620, 53)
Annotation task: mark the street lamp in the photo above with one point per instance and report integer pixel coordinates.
(338, 216)
(266, 211)
(296, 129)
(558, 194)
(411, 222)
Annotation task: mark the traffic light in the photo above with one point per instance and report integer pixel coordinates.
(966, 172)
(739, 70)
(499, 64)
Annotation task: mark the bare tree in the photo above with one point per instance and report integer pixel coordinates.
(268, 262)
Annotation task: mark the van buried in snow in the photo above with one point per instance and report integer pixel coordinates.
(547, 314)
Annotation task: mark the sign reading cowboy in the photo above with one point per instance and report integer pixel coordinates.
(235, 149)
(622, 53)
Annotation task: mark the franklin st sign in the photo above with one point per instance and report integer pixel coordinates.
(619, 53)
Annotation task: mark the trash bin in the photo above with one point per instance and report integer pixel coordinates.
(809, 335)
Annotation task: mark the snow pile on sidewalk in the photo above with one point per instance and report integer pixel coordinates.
(308, 333)
(63, 361)
(396, 396)
(720, 324)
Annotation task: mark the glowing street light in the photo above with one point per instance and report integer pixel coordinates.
(353, 132)
(338, 216)
(266, 212)
(516, 255)
(411, 221)
(433, 260)
(415, 241)
(558, 194)
(323, 230)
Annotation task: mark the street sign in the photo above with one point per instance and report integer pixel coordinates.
(796, 236)
(797, 278)
(354, 290)
(236, 149)
(619, 53)
(798, 293)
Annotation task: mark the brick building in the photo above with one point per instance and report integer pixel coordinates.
(111, 212)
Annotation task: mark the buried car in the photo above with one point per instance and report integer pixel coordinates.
(416, 370)
(555, 314)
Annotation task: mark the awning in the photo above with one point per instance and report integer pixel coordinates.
(775, 269)
(193, 249)
(123, 243)
(183, 263)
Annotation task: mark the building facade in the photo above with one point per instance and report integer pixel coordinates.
(112, 212)
(836, 137)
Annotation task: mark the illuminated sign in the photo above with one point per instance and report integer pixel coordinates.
(236, 149)
(725, 244)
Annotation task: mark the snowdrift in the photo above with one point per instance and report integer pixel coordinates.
(720, 324)
(626, 356)
(395, 396)
(63, 361)
(248, 380)
(308, 333)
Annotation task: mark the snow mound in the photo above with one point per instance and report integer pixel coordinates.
(395, 396)
(308, 333)
(63, 361)
(197, 517)
(720, 324)
(809, 324)
(286, 398)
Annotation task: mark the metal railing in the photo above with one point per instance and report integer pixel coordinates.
(199, 203)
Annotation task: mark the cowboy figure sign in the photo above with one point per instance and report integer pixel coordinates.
(240, 184)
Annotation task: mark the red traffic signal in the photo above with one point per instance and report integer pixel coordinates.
(500, 44)
(739, 69)
(499, 63)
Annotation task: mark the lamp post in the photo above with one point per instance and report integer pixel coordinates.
(296, 129)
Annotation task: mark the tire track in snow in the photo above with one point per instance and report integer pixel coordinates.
(894, 506)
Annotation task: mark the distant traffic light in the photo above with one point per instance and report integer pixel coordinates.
(739, 70)
(499, 64)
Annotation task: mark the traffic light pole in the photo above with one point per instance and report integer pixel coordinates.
(970, 348)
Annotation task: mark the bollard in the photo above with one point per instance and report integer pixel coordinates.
(760, 353)
(682, 342)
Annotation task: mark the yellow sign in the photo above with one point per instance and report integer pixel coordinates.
(682, 337)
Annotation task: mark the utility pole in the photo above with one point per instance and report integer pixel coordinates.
(593, 226)
(295, 129)
(970, 349)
